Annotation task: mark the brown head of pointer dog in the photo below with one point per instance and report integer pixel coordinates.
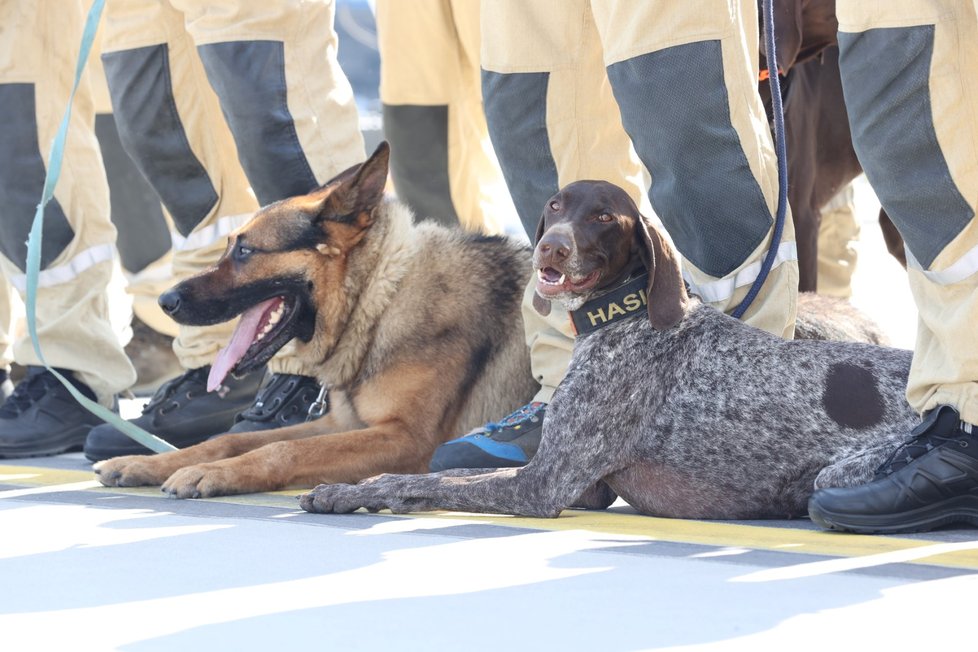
(583, 247)
(415, 328)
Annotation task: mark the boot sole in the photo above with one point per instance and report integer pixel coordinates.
(71, 441)
(961, 509)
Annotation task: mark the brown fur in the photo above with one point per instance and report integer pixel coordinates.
(416, 329)
(821, 158)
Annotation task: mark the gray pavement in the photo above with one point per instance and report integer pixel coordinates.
(91, 568)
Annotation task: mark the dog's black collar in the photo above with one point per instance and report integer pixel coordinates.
(627, 300)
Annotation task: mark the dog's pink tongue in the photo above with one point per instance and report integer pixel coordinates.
(244, 334)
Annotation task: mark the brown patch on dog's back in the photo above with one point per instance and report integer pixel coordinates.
(852, 398)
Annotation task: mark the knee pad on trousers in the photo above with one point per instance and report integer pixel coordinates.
(703, 188)
(153, 135)
(886, 76)
(249, 78)
(142, 233)
(419, 159)
(22, 174)
(516, 111)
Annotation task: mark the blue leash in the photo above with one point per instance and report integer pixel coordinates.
(148, 440)
(779, 144)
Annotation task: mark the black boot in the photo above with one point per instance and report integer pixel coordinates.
(182, 413)
(931, 480)
(40, 417)
(285, 400)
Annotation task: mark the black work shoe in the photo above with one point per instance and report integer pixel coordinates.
(931, 480)
(182, 413)
(285, 400)
(510, 442)
(41, 418)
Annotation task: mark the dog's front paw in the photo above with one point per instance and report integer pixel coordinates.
(338, 499)
(131, 471)
(203, 481)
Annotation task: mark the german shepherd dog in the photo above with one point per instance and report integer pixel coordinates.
(416, 329)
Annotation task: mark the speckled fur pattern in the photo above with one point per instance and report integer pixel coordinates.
(709, 418)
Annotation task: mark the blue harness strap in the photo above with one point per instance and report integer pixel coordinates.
(148, 440)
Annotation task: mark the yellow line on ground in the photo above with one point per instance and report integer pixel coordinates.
(32, 476)
(782, 539)
(35, 475)
(756, 537)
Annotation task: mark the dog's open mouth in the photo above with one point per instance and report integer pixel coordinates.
(552, 282)
(261, 332)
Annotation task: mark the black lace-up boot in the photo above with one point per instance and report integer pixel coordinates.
(931, 480)
(182, 413)
(285, 400)
(40, 417)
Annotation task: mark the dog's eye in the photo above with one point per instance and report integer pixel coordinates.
(241, 252)
(554, 206)
(605, 217)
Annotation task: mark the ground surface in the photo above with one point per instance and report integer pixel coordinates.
(85, 567)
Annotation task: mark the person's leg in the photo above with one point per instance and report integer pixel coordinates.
(442, 161)
(142, 237)
(553, 120)
(288, 104)
(685, 77)
(77, 260)
(289, 123)
(170, 123)
(290, 108)
(837, 232)
(907, 76)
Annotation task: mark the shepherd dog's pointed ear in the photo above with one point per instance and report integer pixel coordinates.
(666, 291)
(358, 190)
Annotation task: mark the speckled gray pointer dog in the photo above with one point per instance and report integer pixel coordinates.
(687, 413)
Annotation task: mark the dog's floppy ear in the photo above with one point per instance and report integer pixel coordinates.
(541, 305)
(358, 190)
(666, 291)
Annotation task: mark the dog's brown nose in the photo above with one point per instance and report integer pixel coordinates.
(170, 301)
(555, 246)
